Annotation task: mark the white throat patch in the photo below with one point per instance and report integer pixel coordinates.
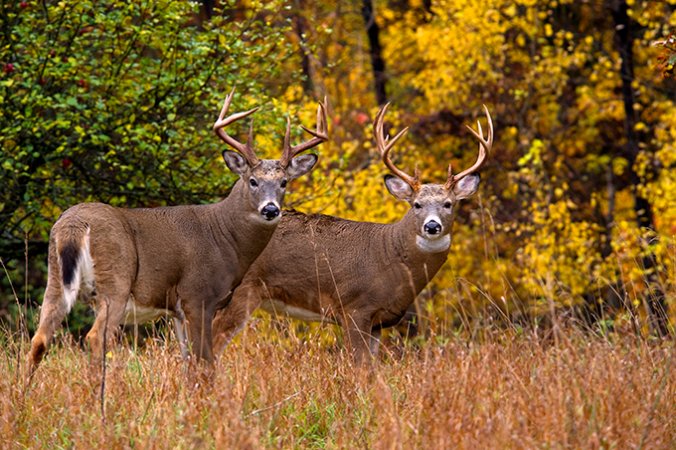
(433, 245)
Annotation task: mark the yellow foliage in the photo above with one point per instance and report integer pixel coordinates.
(559, 251)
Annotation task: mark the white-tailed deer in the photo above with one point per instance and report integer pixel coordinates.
(360, 275)
(135, 265)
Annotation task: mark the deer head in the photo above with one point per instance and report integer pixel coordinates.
(432, 205)
(266, 180)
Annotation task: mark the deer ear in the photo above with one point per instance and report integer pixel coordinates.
(235, 162)
(399, 188)
(466, 187)
(300, 165)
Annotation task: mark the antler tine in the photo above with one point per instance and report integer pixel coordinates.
(245, 149)
(321, 134)
(485, 145)
(249, 138)
(385, 144)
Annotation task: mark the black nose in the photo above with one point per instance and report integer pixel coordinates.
(432, 227)
(270, 211)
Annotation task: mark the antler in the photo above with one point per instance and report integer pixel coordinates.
(320, 135)
(245, 149)
(484, 148)
(385, 145)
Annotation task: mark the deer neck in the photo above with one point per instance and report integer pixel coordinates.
(239, 225)
(415, 250)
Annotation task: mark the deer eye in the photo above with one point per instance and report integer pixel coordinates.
(253, 182)
(283, 184)
(417, 205)
(447, 205)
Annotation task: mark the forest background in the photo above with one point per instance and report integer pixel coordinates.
(575, 218)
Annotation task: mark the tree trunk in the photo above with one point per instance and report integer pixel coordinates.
(377, 61)
(300, 28)
(655, 300)
(208, 9)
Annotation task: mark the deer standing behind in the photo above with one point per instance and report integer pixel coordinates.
(135, 265)
(359, 275)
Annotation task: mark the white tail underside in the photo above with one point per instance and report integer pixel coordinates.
(83, 276)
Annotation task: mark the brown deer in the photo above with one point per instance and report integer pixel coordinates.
(359, 275)
(135, 265)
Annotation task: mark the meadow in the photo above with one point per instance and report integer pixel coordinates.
(564, 388)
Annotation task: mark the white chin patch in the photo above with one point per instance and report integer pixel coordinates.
(433, 245)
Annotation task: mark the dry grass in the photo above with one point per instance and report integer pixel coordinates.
(506, 392)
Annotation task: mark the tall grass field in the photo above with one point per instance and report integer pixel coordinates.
(272, 389)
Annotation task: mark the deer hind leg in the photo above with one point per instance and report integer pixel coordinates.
(111, 302)
(230, 320)
(54, 310)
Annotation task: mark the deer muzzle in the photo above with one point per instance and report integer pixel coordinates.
(270, 211)
(432, 227)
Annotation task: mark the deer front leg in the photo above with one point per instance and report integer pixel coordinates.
(179, 331)
(374, 343)
(52, 313)
(200, 318)
(358, 330)
(231, 319)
